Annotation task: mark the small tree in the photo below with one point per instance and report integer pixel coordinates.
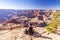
(51, 27)
(54, 23)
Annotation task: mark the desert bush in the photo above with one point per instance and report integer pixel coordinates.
(54, 23)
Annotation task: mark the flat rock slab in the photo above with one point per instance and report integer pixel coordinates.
(18, 34)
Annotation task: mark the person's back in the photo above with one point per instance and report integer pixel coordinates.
(30, 31)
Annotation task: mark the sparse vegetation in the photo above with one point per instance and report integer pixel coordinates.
(54, 23)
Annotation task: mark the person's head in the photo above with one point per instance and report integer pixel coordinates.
(31, 24)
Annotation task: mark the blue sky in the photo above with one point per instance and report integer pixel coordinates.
(30, 4)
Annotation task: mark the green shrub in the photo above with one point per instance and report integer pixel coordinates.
(54, 23)
(51, 27)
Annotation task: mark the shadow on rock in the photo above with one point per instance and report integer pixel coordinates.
(36, 34)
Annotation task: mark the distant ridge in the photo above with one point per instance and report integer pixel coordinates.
(6, 14)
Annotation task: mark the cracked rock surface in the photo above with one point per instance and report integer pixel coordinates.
(18, 34)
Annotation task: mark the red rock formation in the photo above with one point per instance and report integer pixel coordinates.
(11, 21)
(36, 13)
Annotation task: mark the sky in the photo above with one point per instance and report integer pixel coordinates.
(30, 4)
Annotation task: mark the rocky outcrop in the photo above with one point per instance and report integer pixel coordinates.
(58, 30)
(19, 34)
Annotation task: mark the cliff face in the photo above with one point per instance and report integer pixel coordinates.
(14, 29)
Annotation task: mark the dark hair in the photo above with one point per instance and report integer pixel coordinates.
(31, 24)
(30, 31)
